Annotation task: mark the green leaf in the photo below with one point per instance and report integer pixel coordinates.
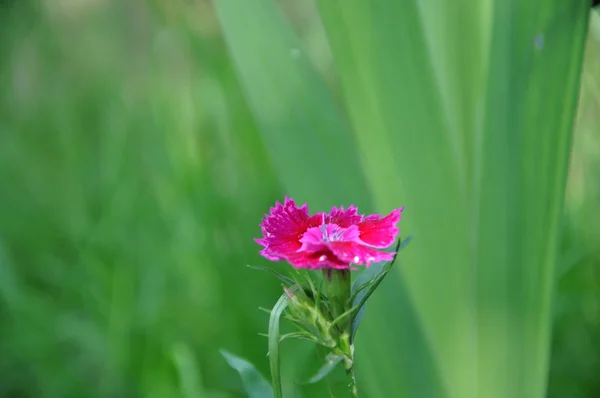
(367, 277)
(370, 279)
(569, 260)
(359, 301)
(357, 320)
(342, 319)
(254, 383)
(306, 135)
(187, 369)
(279, 276)
(316, 156)
(403, 243)
(330, 364)
(274, 339)
(297, 335)
(464, 110)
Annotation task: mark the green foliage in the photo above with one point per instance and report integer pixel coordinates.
(274, 340)
(140, 147)
(451, 107)
(301, 125)
(332, 361)
(367, 282)
(254, 383)
(328, 319)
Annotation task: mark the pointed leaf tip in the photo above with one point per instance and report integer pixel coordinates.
(403, 243)
(330, 364)
(368, 281)
(255, 385)
(278, 275)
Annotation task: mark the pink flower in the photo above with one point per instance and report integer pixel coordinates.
(335, 240)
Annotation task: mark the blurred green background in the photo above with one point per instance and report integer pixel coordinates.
(133, 177)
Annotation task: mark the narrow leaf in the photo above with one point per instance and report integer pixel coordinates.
(364, 295)
(356, 321)
(374, 274)
(268, 311)
(254, 383)
(365, 289)
(279, 276)
(331, 363)
(297, 335)
(342, 317)
(367, 277)
(278, 309)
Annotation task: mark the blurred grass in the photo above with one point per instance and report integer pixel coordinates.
(134, 182)
(133, 178)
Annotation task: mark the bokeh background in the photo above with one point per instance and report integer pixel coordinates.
(133, 176)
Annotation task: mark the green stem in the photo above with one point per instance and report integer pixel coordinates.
(348, 350)
(352, 383)
(339, 289)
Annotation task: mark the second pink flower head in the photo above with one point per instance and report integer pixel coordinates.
(337, 240)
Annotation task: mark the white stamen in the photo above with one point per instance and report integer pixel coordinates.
(324, 235)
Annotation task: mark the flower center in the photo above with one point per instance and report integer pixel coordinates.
(331, 232)
(317, 238)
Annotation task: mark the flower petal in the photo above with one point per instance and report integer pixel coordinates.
(380, 232)
(282, 229)
(341, 217)
(317, 260)
(317, 237)
(351, 252)
(269, 255)
(338, 239)
(344, 218)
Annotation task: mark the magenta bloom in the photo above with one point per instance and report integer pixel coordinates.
(335, 240)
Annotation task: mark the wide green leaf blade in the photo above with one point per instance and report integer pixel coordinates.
(302, 128)
(464, 110)
(523, 161)
(309, 141)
